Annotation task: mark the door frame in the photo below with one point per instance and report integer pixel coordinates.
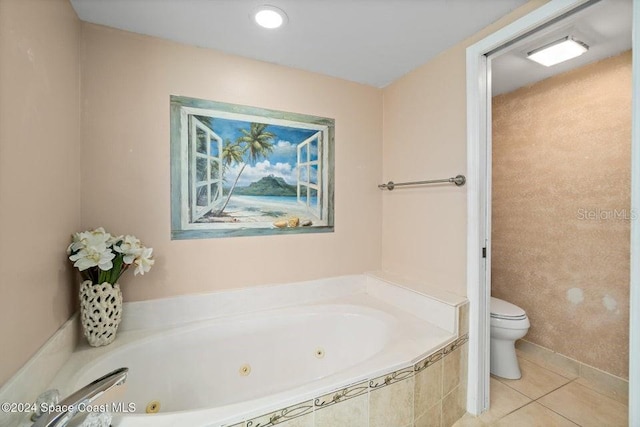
(479, 200)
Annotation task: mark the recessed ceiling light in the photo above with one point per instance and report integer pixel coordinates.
(558, 51)
(269, 17)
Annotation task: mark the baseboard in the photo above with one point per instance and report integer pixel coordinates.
(613, 386)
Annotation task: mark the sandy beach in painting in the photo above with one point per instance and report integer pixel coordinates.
(247, 209)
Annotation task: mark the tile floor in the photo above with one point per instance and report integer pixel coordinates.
(547, 398)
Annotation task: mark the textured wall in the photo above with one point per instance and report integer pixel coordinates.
(424, 234)
(561, 169)
(126, 83)
(39, 172)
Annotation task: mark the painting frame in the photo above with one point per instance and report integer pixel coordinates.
(188, 118)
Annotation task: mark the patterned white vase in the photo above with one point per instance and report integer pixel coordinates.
(100, 312)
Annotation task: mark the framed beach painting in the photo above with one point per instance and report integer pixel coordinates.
(246, 171)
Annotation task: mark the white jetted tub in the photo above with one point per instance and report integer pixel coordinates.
(213, 372)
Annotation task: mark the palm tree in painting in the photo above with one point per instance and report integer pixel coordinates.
(254, 144)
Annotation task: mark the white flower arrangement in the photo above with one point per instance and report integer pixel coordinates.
(101, 257)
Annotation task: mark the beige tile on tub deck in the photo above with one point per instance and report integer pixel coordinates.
(299, 415)
(428, 388)
(464, 368)
(303, 421)
(392, 405)
(454, 405)
(451, 370)
(536, 381)
(504, 400)
(463, 319)
(350, 413)
(586, 407)
(534, 415)
(431, 418)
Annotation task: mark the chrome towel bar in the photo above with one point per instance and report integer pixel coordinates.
(458, 180)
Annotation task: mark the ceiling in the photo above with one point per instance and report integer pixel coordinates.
(605, 27)
(367, 41)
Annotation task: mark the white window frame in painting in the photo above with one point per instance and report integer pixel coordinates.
(183, 189)
(189, 112)
(308, 163)
(197, 211)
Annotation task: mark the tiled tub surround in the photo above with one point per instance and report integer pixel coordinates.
(431, 392)
(298, 343)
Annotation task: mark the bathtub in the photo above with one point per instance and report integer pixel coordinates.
(236, 366)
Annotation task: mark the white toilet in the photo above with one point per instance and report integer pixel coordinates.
(508, 324)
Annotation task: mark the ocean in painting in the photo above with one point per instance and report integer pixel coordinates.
(263, 209)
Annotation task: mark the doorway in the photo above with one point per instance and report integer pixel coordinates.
(479, 207)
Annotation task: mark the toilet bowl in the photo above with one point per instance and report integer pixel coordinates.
(508, 324)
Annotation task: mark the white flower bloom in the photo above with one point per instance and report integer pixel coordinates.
(99, 235)
(143, 262)
(93, 251)
(79, 241)
(85, 238)
(98, 240)
(114, 239)
(96, 249)
(73, 246)
(92, 256)
(130, 247)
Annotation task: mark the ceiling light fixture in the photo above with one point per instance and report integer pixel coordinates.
(559, 51)
(269, 17)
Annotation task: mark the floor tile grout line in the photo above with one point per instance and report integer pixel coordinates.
(537, 400)
(517, 409)
(564, 375)
(507, 384)
(539, 397)
(588, 384)
(531, 402)
(555, 389)
(575, 380)
(558, 413)
(569, 381)
(607, 395)
(532, 358)
(553, 410)
(517, 391)
(524, 395)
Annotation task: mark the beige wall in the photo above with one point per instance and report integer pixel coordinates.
(126, 84)
(424, 228)
(39, 172)
(561, 151)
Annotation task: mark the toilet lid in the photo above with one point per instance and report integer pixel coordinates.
(506, 310)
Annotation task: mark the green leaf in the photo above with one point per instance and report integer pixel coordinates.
(117, 267)
(103, 276)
